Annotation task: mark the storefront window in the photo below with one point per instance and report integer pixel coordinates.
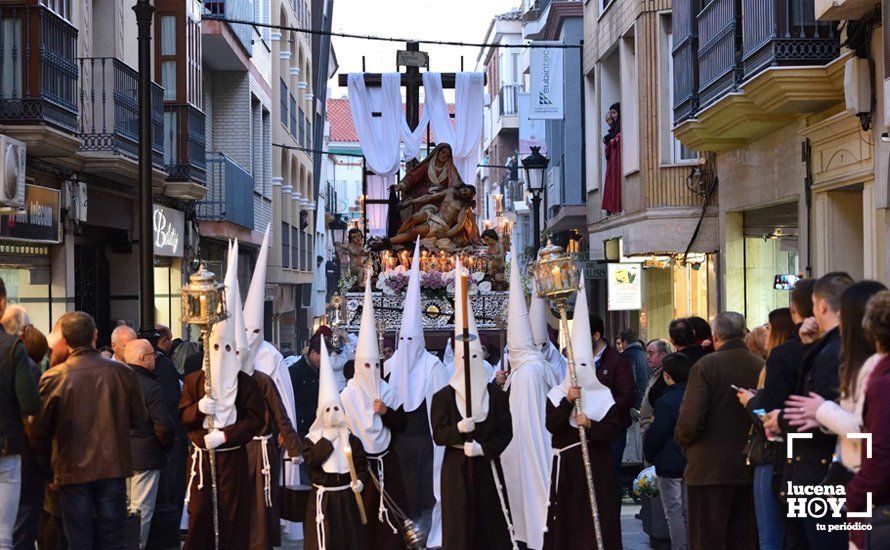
(764, 259)
(168, 301)
(24, 290)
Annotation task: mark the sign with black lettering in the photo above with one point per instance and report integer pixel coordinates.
(41, 220)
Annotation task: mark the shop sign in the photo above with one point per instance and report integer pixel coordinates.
(546, 82)
(41, 220)
(168, 226)
(625, 289)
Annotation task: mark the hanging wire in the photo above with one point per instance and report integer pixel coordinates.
(394, 39)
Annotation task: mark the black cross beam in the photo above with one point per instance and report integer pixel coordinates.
(412, 80)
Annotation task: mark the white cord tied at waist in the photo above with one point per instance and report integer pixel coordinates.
(320, 490)
(382, 510)
(267, 467)
(507, 518)
(557, 454)
(197, 469)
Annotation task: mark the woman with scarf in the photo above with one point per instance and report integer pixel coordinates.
(612, 147)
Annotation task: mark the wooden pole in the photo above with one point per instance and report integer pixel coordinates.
(468, 387)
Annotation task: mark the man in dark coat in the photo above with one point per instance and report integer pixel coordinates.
(635, 354)
(713, 430)
(683, 337)
(150, 440)
(819, 373)
(616, 373)
(304, 378)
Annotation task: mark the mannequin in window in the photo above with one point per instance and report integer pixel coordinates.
(612, 146)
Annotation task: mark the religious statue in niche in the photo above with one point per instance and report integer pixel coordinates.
(612, 146)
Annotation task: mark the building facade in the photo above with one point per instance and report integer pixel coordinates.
(662, 226)
(795, 168)
(69, 95)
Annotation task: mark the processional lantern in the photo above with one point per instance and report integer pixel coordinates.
(557, 279)
(203, 299)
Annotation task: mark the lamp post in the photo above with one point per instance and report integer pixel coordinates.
(144, 14)
(535, 165)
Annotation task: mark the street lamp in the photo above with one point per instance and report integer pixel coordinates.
(535, 165)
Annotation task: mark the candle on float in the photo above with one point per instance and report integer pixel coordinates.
(463, 296)
(486, 224)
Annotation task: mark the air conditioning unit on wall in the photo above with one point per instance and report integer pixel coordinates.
(12, 175)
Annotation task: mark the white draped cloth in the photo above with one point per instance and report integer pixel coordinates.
(466, 132)
(379, 137)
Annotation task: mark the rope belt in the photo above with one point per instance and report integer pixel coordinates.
(197, 469)
(382, 511)
(320, 490)
(557, 454)
(267, 468)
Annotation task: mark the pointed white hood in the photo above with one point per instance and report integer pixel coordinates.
(255, 303)
(330, 414)
(411, 346)
(224, 361)
(520, 342)
(537, 318)
(478, 374)
(242, 348)
(596, 399)
(367, 353)
(366, 386)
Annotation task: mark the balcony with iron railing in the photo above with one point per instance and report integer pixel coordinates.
(39, 71)
(508, 99)
(109, 109)
(233, 9)
(184, 154)
(746, 66)
(229, 195)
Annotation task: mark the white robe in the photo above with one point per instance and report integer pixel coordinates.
(554, 367)
(528, 458)
(269, 361)
(437, 377)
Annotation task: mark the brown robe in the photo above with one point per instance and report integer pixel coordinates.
(265, 524)
(379, 534)
(569, 518)
(472, 515)
(342, 525)
(233, 480)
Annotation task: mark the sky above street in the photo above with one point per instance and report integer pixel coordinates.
(461, 20)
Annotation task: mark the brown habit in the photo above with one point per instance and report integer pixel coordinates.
(379, 534)
(233, 481)
(472, 515)
(569, 518)
(342, 524)
(265, 525)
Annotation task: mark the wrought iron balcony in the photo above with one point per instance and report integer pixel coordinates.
(233, 9)
(508, 103)
(719, 35)
(229, 195)
(109, 109)
(37, 61)
(685, 47)
(785, 32)
(184, 139)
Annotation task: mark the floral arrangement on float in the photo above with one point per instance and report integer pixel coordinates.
(433, 283)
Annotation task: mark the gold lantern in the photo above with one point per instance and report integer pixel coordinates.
(203, 299)
(557, 279)
(555, 273)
